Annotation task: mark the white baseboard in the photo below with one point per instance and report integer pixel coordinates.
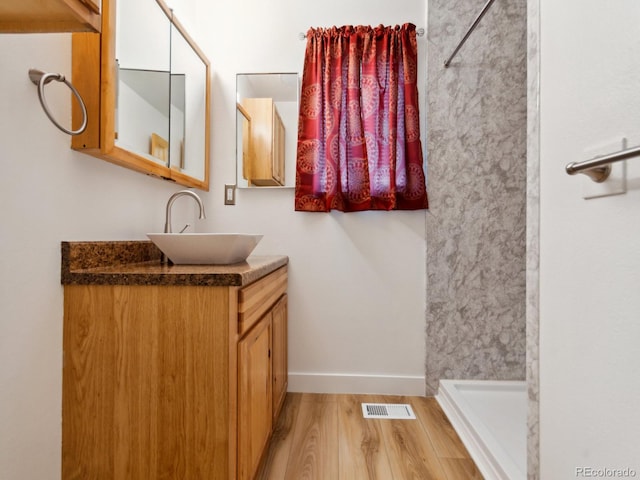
(355, 383)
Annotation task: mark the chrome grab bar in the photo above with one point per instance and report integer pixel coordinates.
(473, 26)
(599, 168)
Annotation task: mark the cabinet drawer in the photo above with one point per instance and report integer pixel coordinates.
(256, 299)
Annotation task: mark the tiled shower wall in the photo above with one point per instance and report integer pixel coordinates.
(476, 224)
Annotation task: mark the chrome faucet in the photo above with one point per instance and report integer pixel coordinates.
(173, 198)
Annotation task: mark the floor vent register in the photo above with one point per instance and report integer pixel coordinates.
(390, 411)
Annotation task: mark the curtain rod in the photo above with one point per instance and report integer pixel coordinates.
(471, 29)
(419, 32)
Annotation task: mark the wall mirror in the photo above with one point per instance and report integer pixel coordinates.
(149, 90)
(266, 129)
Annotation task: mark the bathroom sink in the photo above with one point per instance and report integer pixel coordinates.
(205, 248)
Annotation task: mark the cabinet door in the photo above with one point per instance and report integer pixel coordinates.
(260, 110)
(279, 354)
(254, 396)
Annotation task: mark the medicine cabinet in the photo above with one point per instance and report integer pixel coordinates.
(146, 85)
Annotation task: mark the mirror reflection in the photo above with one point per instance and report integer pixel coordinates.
(188, 115)
(177, 118)
(146, 93)
(162, 89)
(143, 39)
(266, 129)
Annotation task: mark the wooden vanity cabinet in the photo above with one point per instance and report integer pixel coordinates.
(172, 381)
(267, 142)
(36, 16)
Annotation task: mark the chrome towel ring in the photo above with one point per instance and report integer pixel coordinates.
(40, 79)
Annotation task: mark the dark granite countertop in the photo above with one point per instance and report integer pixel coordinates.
(138, 263)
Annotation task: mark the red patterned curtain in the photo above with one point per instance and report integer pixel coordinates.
(359, 131)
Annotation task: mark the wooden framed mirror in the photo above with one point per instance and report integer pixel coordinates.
(147, 89)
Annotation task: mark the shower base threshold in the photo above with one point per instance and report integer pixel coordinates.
(490, 418)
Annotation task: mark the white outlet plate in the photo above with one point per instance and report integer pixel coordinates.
(229, 194)
(616, 184)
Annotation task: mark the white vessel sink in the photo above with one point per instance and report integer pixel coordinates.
(205, 248)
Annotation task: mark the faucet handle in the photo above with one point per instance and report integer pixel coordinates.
(185, 227)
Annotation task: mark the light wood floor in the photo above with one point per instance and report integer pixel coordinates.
(325, 437)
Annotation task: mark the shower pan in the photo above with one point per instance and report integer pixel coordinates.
(491, 419)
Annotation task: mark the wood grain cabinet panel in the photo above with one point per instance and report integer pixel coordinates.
(158, 383)
(254, 397)
(279, 357)
(267, 143)
(93, 5)
(37, 16)
(256, 299)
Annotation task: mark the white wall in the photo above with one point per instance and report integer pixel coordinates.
(357, 281)
(49, 193)
(589, 249)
